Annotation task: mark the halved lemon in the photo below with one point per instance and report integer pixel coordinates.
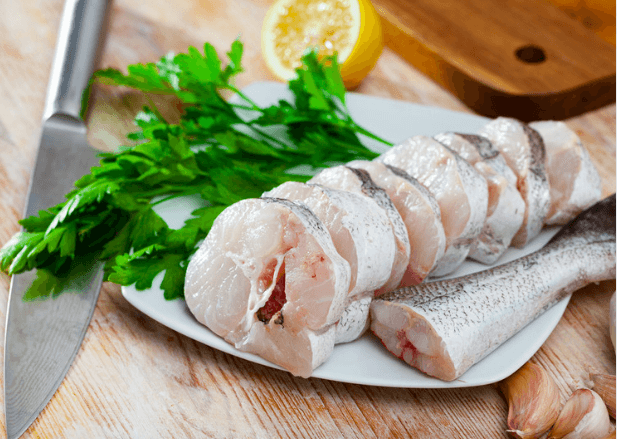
(351, 28)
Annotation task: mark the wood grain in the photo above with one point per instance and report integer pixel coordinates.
(471, 49)
(134, 378)
(596, 15)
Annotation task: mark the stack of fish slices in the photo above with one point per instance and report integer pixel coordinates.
(315, 255)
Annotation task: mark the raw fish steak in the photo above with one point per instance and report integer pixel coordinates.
(360, 230)
(524, 151)
(362, 233)
(506, 207)
(420, 213)
(359, 181)
(574, 181)
(269, 280)
(461, 193)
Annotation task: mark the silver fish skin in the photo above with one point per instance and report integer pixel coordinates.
(443, 328)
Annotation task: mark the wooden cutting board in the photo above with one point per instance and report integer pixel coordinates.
(529, 59)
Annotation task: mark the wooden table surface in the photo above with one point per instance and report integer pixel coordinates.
(135, 378)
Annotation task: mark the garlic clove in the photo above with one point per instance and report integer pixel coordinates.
(611, 435)
(604, 385)
(584, 416)
(533, 401)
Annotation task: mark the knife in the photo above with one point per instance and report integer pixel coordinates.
(43, 337)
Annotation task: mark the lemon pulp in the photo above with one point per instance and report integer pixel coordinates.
(350, 28)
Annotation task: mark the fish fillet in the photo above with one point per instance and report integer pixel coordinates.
(506, 207)
(574, 181)
(525, 154)
(359, 181)
(443, 328)
(420, 213)
(269, 280)
(461, 193)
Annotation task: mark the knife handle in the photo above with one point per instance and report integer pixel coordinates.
(77, 48)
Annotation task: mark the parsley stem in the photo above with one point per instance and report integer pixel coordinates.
(253, 105)
(268, 136)
(171, 191)
(244, 107)
(155, 110)
(367, 133)
(176, 195)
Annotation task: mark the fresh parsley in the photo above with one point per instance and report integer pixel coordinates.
(221, 151)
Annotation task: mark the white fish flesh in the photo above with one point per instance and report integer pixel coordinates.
(574, 181)
(361, 232)
(444, 327)
(359, 181)
(461, 193)
(524, 151)
(269, 280)
(506, 207)
(420, 213)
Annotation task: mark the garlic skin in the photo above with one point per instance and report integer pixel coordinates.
(584, 416)
(533, 401)
(612, 311)
(604, 385)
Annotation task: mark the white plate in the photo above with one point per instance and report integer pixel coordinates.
(366, 361)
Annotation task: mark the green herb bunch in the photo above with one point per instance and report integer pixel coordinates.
(221, 150)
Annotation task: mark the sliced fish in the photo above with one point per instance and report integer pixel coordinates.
(506, 207)
(360, 230)
(460, 191)
(354, 321)
(269, 280)
(574, 181)
(359, 181)
(362, 233)
(525, 154)
(443, 328)
(420, 213)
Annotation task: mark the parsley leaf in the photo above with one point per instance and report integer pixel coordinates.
(219, 150)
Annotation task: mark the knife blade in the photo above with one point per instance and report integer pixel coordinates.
(42, 338)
